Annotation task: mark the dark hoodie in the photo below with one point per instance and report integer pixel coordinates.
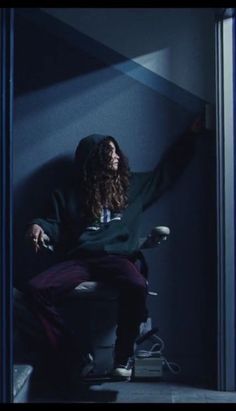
(63, 223)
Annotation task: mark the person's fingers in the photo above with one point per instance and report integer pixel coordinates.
(37, 248)
(41, 237)
(35, 244)
(34, 238)
(31, 233)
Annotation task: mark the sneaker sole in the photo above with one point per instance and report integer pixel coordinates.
(122, 373)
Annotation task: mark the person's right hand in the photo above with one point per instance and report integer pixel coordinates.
(35, 235)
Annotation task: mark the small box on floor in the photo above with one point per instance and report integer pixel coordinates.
(148, 367)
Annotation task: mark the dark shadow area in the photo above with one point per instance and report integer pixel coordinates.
(50, 382)
(65, 41)
(76, 54)
(57, 378)
(31, 197)
(56, 389)
(60, 60)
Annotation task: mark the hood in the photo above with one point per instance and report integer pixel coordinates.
(86, 147)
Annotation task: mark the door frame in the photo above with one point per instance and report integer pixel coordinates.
(226, 337)
(6, 205)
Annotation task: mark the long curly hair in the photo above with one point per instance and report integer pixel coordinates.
(99, 185)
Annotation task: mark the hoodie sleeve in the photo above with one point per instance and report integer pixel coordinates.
(52, 223)
(156, 182)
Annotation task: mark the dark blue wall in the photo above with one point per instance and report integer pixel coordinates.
(63, 93)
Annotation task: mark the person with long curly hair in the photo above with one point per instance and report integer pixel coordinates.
(97, 217)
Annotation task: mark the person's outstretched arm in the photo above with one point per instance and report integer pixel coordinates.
(171, 166)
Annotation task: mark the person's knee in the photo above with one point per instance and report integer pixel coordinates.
(137, 285)
(34, 287)
(134, 278)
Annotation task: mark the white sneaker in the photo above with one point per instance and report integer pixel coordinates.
(123, 371)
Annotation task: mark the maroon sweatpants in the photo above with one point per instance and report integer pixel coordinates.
(47, 288)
